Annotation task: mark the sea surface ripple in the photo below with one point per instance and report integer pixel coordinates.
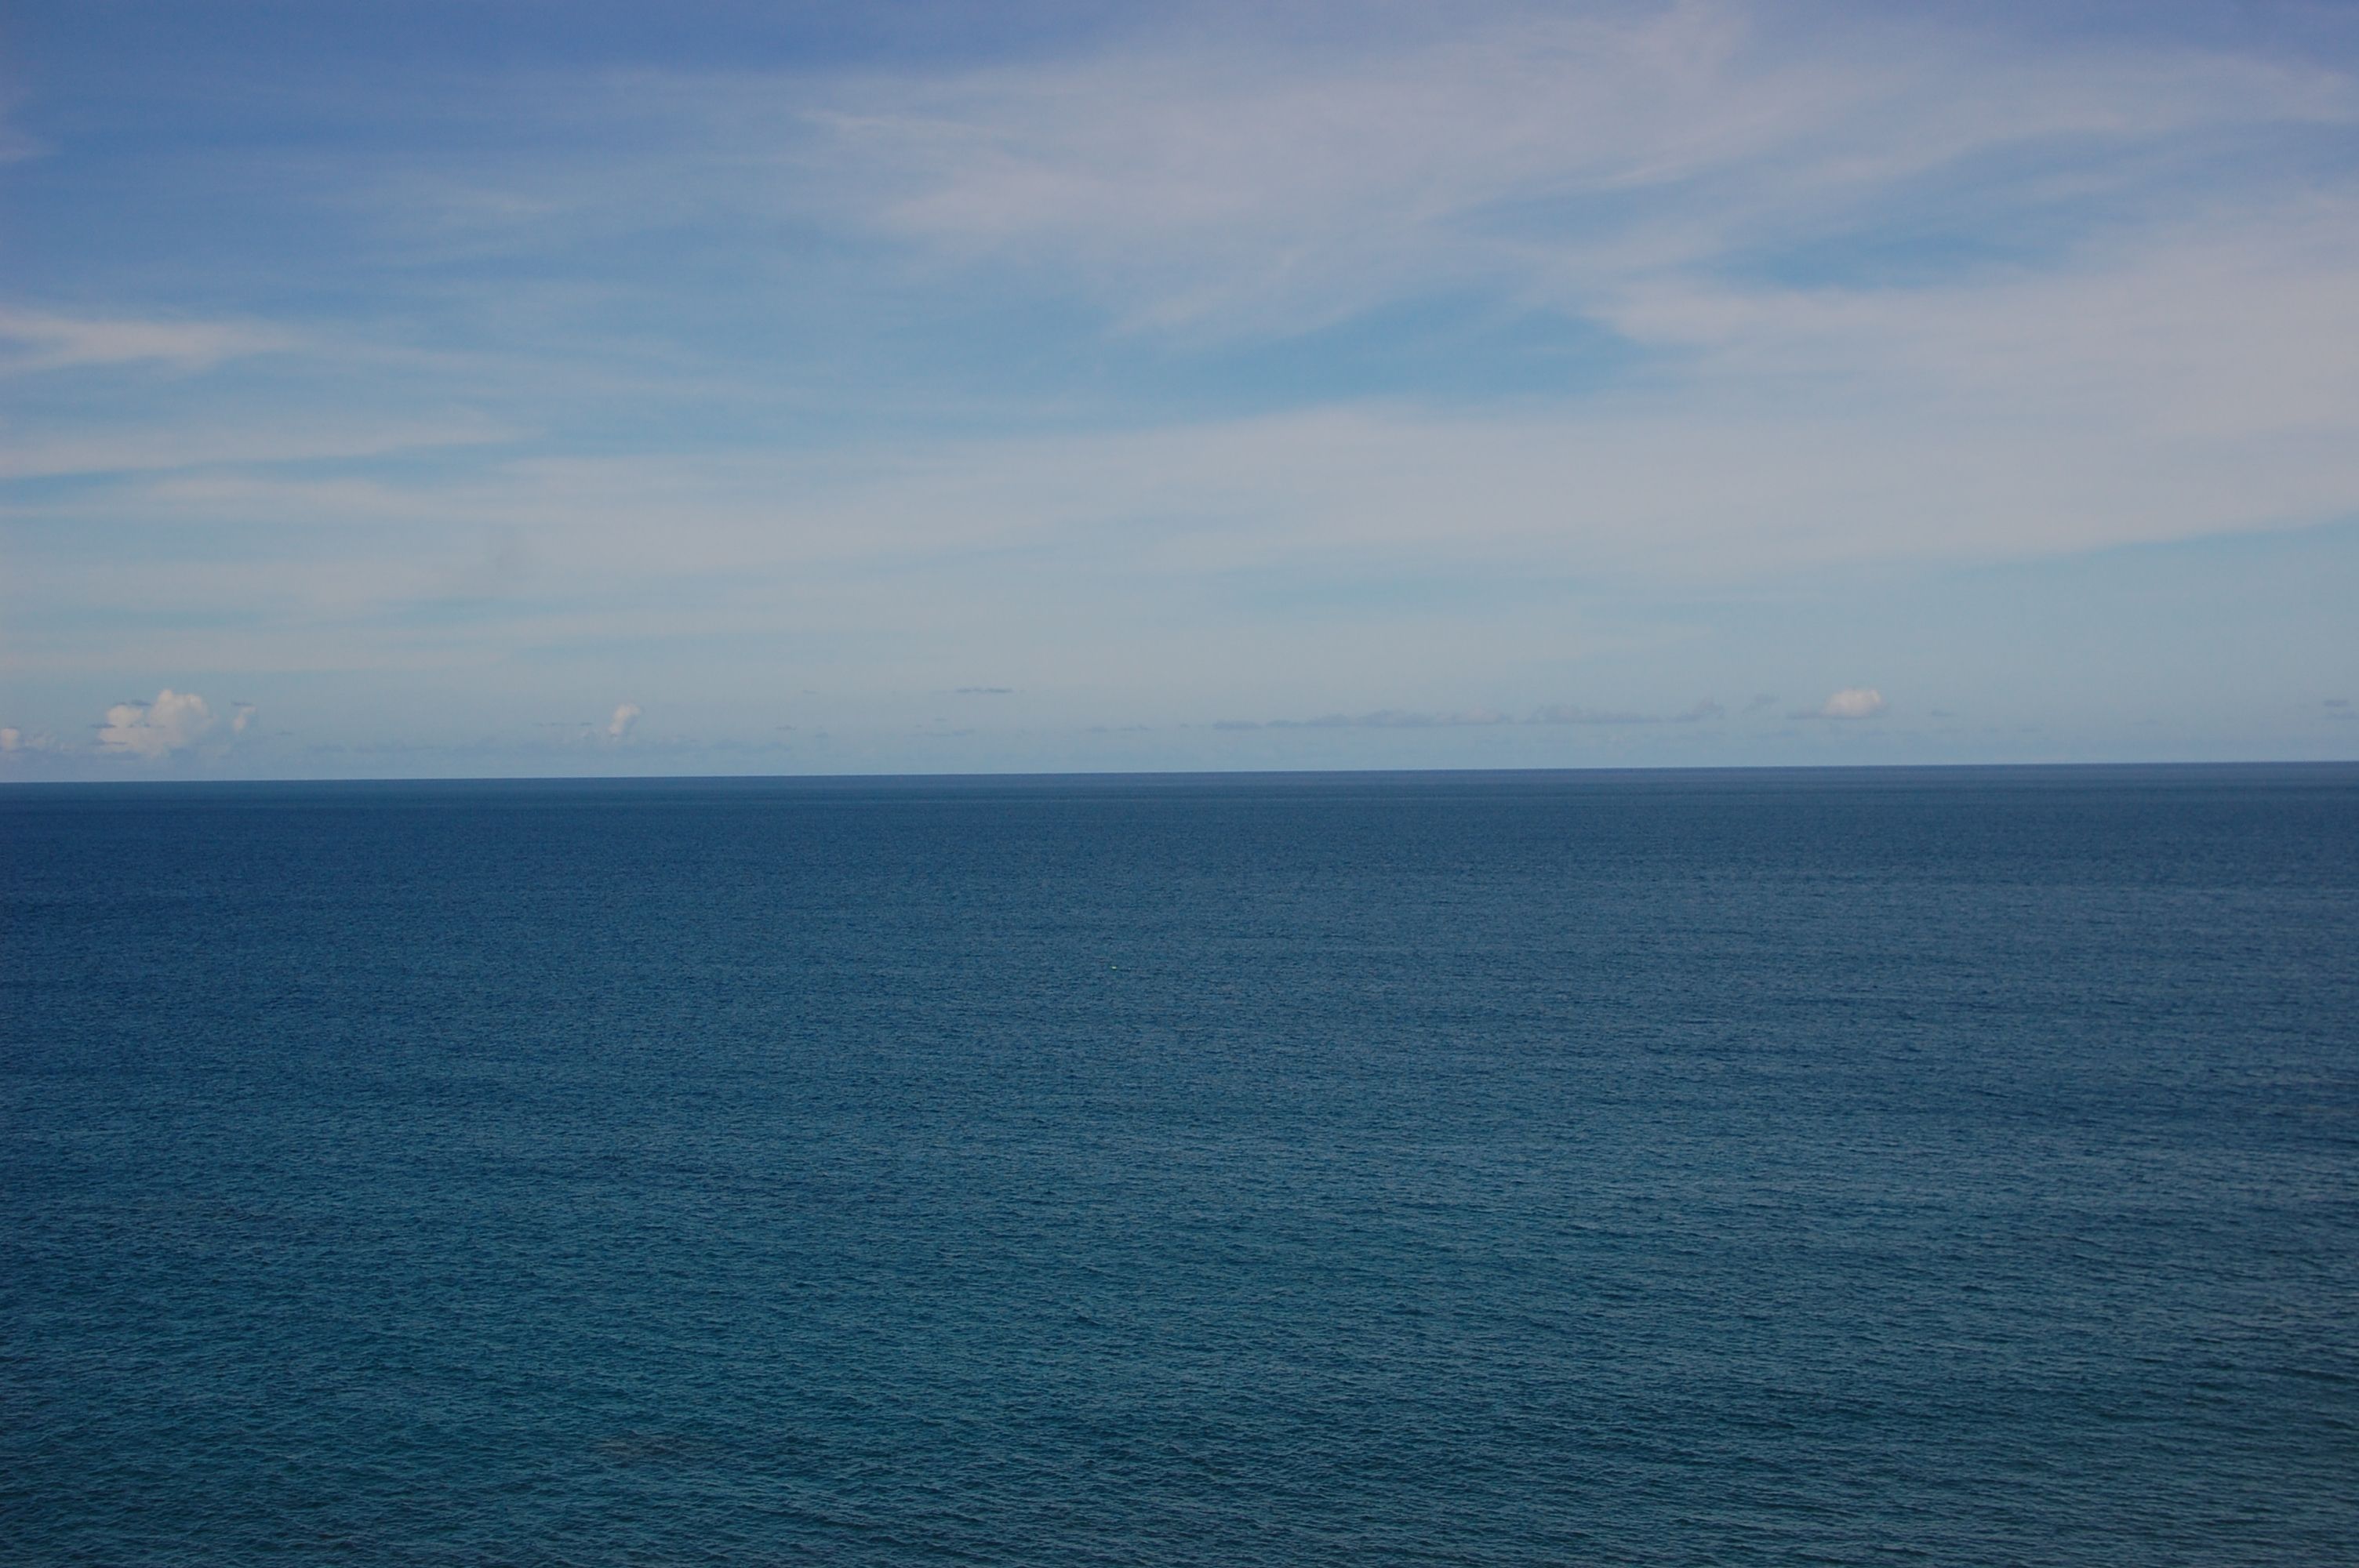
(1944, 1166)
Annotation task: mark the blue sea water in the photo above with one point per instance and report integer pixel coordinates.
(1953, 1166)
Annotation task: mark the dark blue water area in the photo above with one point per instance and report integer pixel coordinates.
(1943, 1166)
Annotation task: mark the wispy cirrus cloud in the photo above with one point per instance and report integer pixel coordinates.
(39, 340)
(2170, 350)
(15, 145)
(212, 443)
(1209, 182)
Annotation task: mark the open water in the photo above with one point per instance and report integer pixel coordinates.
(1954, 1166)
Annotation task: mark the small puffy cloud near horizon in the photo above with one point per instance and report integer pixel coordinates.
(1851, 702)
(175, 722)
(626, 714)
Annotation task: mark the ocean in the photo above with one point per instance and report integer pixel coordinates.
(1883, 1166)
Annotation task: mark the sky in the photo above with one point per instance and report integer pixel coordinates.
(531, 389)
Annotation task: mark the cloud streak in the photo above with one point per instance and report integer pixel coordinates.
(36, 341)
(1477, 718)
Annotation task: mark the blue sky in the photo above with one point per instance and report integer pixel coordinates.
(574, 388)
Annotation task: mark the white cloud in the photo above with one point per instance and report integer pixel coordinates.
(173, 722)
(625, 715)
(11, 739)
(1852, 702)
(240, 716)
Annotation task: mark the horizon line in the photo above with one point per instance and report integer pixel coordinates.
(1011, 776)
